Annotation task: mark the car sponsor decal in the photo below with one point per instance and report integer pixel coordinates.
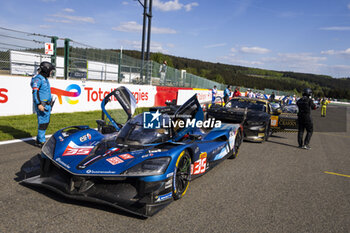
(223, 152)
(163, 197)
(200, 165)
(109, 152)
(115, 160)
(232, 139)
(74, 149)
(274, 121)
(62, 163)
(145, 156)
(168, 184)
(170, 174)
(126, 156)
(85, 137)
(99, 172)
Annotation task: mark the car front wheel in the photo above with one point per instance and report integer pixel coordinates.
(182, 175)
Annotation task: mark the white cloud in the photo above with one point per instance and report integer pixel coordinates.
(58, 20)
(45, 26)
(72, 18)
(349, 6)
(298, 62)
(215, 45)
(296, 58)
(254, 50)
(238, 61)
(188, 7)
(173, 5)
(133, 26)
(336, 28)
(233, 50)
(335, 52)
(125, 3)
(69, 10)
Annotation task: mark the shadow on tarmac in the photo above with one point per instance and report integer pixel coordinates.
(283, 144)
(17, 133)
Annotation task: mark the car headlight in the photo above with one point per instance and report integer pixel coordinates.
(49, 147)
(149, 167)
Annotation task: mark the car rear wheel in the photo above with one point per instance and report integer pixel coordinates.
(235, 150)
(182, 175)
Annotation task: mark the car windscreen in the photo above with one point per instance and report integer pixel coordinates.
(134, 133)
(250, 104)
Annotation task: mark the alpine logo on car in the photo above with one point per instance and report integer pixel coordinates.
(74, 149)
(85, 137)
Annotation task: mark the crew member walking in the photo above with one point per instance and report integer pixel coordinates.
(42, 99)
(305, 104)
(324, 103)
(227, 94)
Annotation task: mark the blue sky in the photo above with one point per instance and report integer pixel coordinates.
(310, 36)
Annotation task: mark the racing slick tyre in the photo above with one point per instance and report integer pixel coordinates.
(235, 150)
(182, 175)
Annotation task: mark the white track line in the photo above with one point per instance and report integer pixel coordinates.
(20, 140)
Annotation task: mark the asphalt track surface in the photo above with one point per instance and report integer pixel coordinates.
(269, 187)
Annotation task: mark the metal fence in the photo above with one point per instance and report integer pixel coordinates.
(22, 52)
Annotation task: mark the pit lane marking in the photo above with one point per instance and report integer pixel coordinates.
(337, 174)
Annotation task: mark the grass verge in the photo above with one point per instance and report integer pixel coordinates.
(24, 126)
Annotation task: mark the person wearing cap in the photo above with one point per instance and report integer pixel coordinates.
(42, 99)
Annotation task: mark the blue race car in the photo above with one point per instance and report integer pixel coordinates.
(135, 167)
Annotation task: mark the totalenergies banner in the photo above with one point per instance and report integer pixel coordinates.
(71, 96)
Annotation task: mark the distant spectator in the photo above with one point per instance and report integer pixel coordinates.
(227, 94)
(237, 93)
(272, 96)
(324, 103)
(162, 72)
(214, 92)
(250, 94)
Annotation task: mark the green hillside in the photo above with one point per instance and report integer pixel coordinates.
(321, 85)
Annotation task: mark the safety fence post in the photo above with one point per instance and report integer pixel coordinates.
(66, 58)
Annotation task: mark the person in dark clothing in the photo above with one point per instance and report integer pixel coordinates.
(272, 96)
(227, 94)
(305, 104)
